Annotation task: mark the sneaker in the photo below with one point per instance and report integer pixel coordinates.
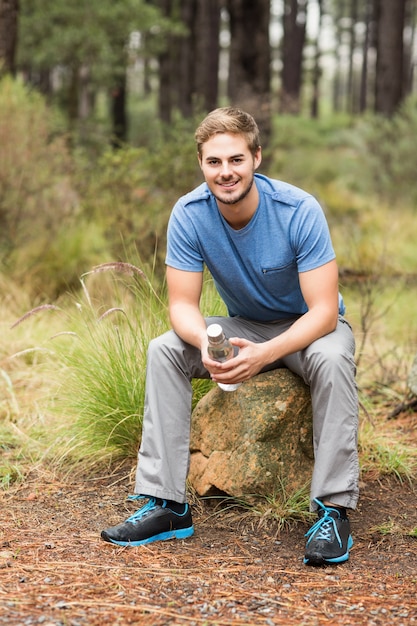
(155, 521)
(329, 538)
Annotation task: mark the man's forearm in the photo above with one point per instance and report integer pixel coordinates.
(189, 324)
(308, 328)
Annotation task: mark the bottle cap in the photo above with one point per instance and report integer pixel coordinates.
(214, 331)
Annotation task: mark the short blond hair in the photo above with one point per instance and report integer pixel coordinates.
(228, 120)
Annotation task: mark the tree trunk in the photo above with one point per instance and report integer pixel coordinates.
(294, 22)
(390, 56)
(189, 68)
(409, 46)
(118, 113)
(363, 96)
(165, 71)
(338, 83)
(73, 95)
(250, 60)
(186, 58)
(352, 101)
(207, 52)
(316, 67)
(9, 12)
(165, 99)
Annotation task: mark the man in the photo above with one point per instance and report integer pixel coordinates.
(268, 248)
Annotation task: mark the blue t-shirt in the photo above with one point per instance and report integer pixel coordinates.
(255, 269)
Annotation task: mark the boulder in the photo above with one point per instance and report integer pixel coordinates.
(255, 440)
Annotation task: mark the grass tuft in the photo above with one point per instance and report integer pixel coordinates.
(118, 266)
(283, 508)
(34, 311)
(383, 454)
(115, 309)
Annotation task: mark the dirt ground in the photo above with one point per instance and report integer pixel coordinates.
(55, 570)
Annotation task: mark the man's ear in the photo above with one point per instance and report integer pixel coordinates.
(257, 160)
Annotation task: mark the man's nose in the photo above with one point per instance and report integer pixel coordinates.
(225, 169)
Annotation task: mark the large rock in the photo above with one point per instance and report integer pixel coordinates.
(254, 440)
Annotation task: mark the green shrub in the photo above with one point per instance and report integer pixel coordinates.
(129, 193)
(35, 186)
(391, 153)
(311, 153)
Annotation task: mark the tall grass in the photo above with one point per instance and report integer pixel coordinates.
(102, 356)
(97, 362)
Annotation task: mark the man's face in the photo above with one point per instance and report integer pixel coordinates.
(228, 167)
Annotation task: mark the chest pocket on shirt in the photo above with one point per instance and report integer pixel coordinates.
(282, 280)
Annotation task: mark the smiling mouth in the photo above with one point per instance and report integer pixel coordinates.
(229, 185)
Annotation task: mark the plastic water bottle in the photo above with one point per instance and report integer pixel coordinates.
(220, 349)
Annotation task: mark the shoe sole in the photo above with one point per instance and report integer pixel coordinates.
(182, 533)
(338, 559)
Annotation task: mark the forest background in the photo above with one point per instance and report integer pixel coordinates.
(98, 106)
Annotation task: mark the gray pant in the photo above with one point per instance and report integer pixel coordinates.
(327, 366)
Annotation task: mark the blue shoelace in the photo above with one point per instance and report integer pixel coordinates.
(324, 526)
(149, 506)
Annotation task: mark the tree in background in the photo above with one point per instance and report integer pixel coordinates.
(189, 62)
(363, 94)
(78, 48)
(409, 42)
(207, 52)
(250, 60)
(316, 69)
(75, 51)
(373, 52)
(8, 35)
(390, 65)
(166, 78)
(295, 28)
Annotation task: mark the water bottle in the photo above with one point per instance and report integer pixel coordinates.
(220, 349)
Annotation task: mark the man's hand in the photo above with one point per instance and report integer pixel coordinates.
(252, 357)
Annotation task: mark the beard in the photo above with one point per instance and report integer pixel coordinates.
(235, 200)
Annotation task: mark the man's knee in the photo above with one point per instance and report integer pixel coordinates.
(333, 358)
(163, 343)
